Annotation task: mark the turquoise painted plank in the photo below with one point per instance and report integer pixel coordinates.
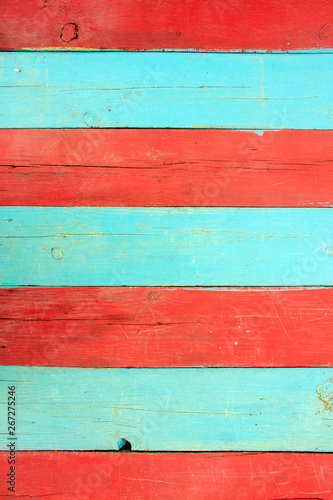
(189, 90)
(262, 409)
(53, 246)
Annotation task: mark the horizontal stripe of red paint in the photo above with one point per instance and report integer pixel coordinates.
(171, 24)
(166, 168)
(189, 476)
(149, 327)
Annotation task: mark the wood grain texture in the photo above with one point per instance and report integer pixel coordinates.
(190, 476)
(165, 246)
(176, 90)
(149, 327)
(128, 167)
(171, 409)
(185, 24)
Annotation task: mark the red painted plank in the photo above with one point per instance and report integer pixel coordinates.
(171, 24)
(166, 168)
(149, 327)
(189, 476)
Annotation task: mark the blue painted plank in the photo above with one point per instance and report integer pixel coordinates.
(189, 90)
(53, 246)
(262, 409)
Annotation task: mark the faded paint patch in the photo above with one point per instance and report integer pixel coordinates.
(325, 394)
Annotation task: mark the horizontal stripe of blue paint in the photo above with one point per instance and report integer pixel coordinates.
(170, 409)
(126, 89)
(55, 246)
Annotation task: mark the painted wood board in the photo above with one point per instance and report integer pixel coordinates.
(176, 90)
(129, 167)
(170, 409)
(185, 24)
(165, 246)
(175, 327)
(190, 476)
(292, 400)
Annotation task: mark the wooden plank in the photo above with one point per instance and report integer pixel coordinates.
(149, 327)
(144, 90)
(165, 246)
(128, 167)
(185, 24)
(190, 476)
(170, 409)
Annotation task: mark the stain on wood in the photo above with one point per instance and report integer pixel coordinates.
(149, 327)
(244, 409)
(325, 394)
(129, 167)
(188, 90)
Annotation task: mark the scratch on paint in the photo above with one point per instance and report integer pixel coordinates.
(262, 84)
(278, 316)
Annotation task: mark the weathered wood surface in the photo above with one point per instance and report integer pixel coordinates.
(85, 246)
(180, 408)
(151, 327)
(171, 409)
(128, 89)
(171, 24)
(286, 168)
(190, 476)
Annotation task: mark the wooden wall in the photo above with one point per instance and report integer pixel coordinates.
(166, 249)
